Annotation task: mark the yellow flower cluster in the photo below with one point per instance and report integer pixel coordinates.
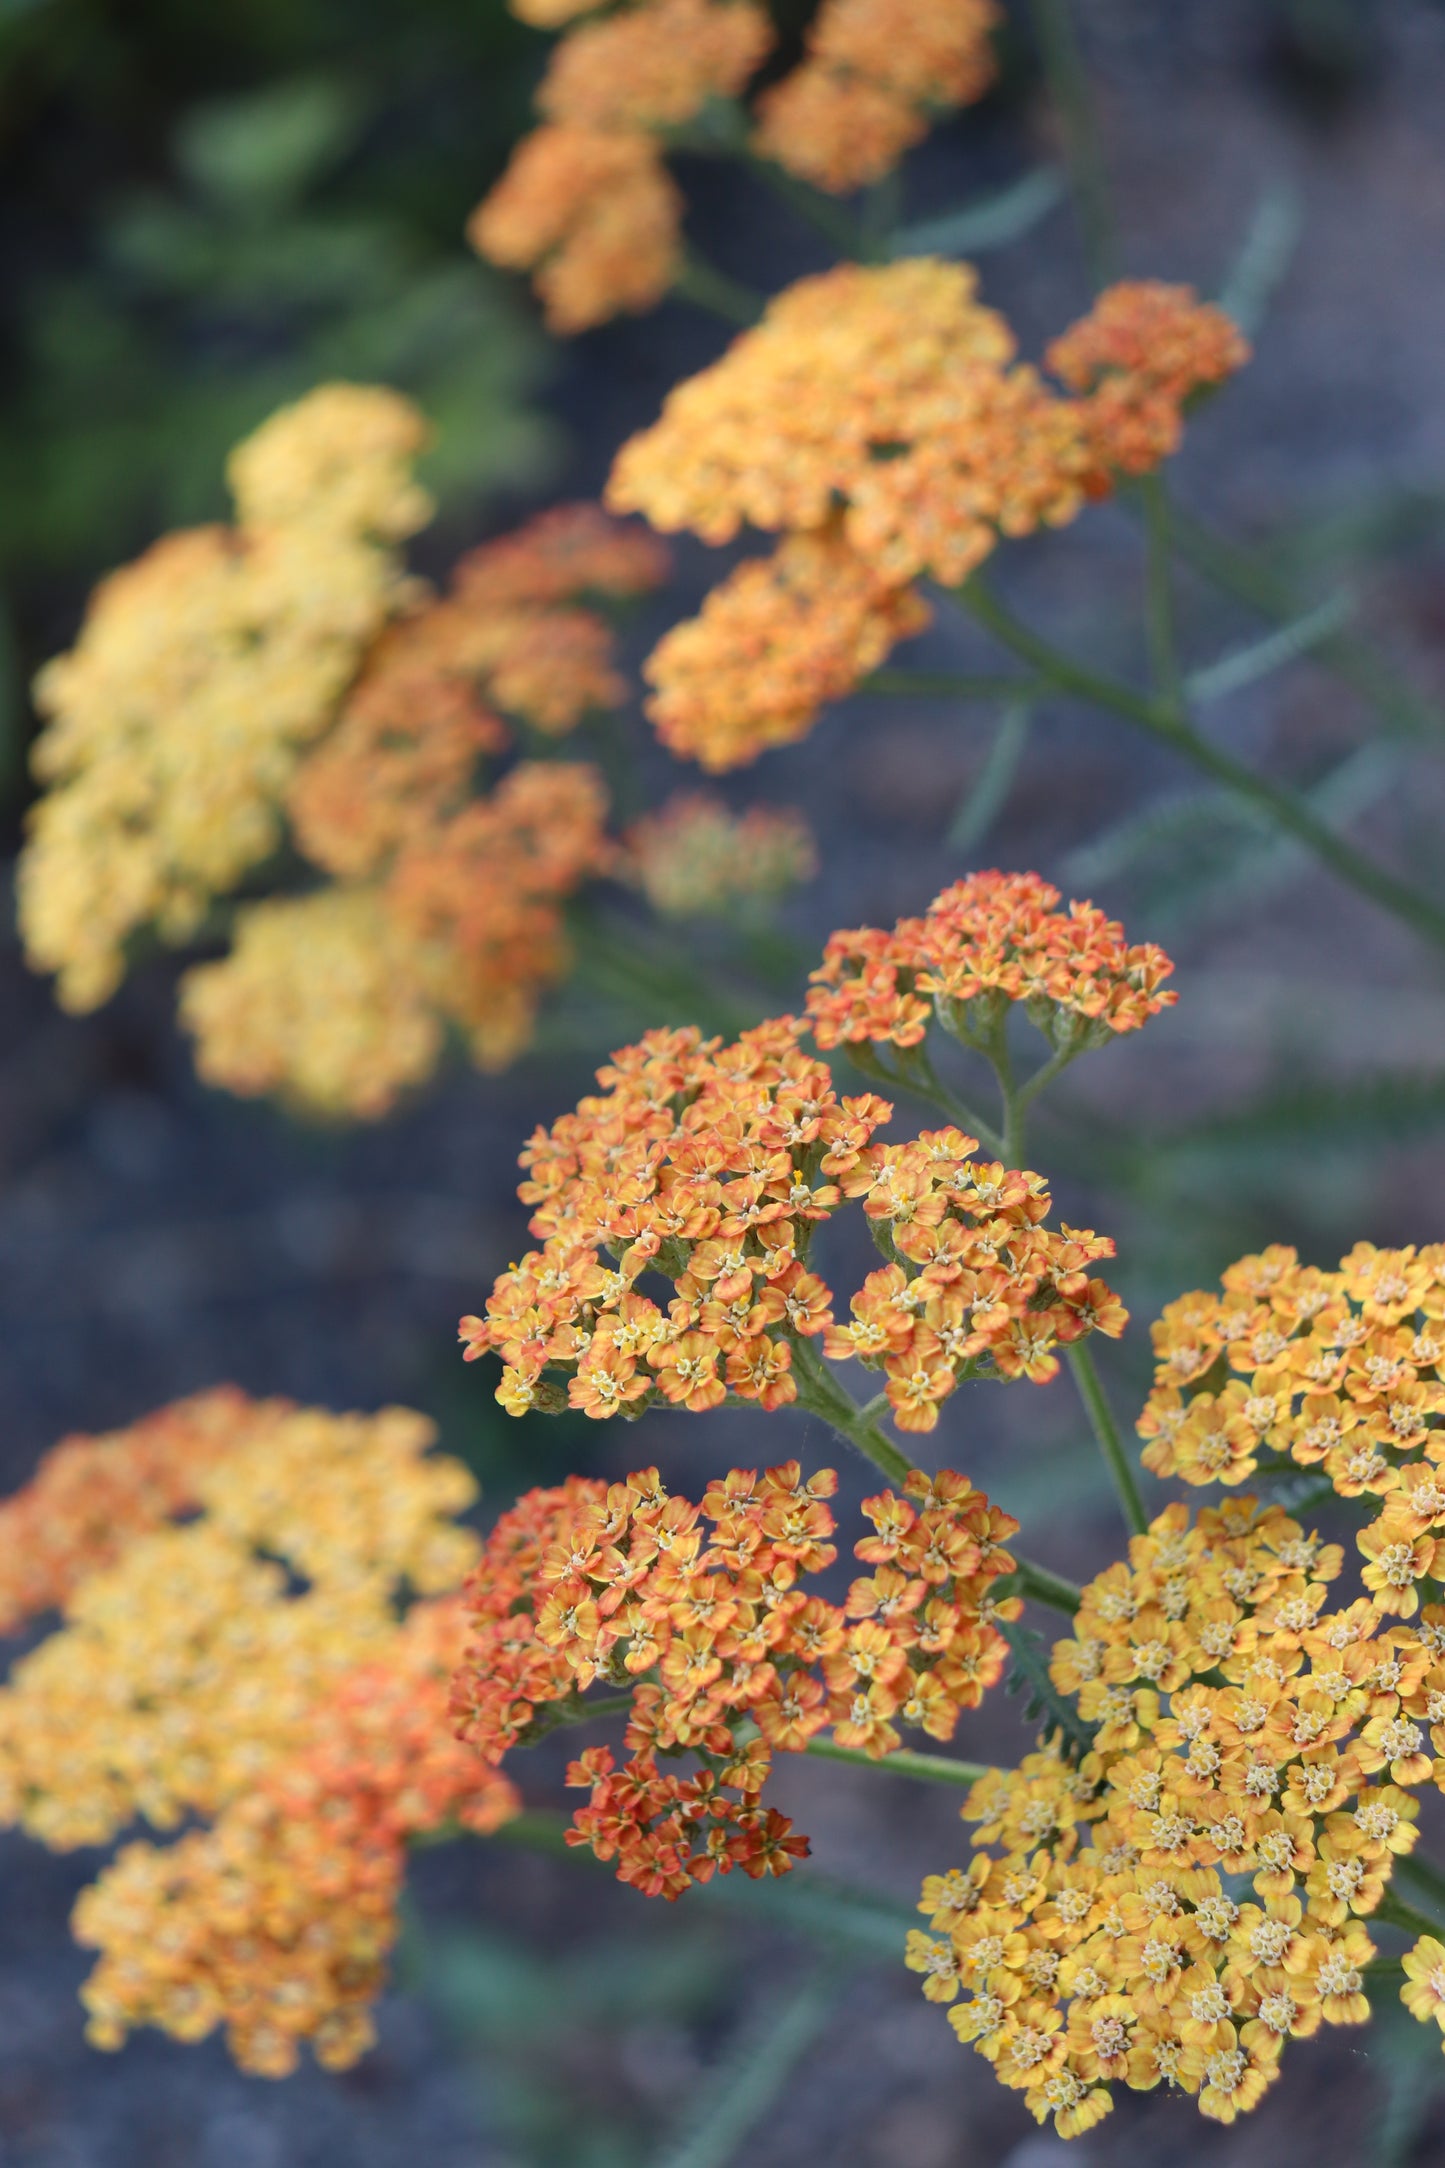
(1189, 1894)
(874, 74)
(186, 1668)
(693, 858)
(203, 669)
(276, 1921)
(877, 418)
(586, 202)
(1340, 1370)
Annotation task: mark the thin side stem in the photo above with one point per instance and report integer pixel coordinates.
(955, 684)
(923, 1081)
(1159, 596)
(713, 290)
(932, 1768)
(823, 1396)
(1425, 1878)
(1069, 85)
(820, 212)
(1049, 1589)
(1421, 913)
(1393, 1911)
(1106, 1433)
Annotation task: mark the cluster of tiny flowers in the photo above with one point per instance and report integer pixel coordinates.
(710, 1167)
(1341, 1370)
(447, 908)
(201, 673)
(1143, 352)
(91, 1496)
(693, 858)
(698, 1613)
(586, 202)
(186, 1667)
(276, 1921)
(878, 418)
(989, 942)
(774, 642)
(1232, 1727)
(874, 74)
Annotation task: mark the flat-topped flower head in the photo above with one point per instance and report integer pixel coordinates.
(704, 1171)
(986, 943)
(276, 1921)
(774, 642)
(891, 388)
(1342, 1370)
(1141, 355)
(694, 858)
(1175, 1885)
(654, 64)
(875, 74)
(700, 1613)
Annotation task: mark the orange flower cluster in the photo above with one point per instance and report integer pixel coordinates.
(711, 1167)
(986, 943)
(694, 858)
(697, 1611)
(91, 1496)
(878, 418)
(448, 912)
(1144, 351)
(874, 73)
(1339, 1370)
(586, 202)
(1231, 1726)
(774, 641)
(275, 1922)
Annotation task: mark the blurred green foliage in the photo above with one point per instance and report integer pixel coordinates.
(212, 211)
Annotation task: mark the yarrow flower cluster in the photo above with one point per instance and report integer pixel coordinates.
(693, 858)
(276, 1921)
(237, 684)
(988, 943)
(1344, 1371)
(874, 75)
(698, 1612)
(249, 1666)
(878, 418)
(710, 1167)
(1231, 1726)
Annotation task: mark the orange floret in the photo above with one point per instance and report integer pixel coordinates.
(1143, 352)
(775, 641)
(694, 858)
(594, 215)
(573, 549)
(276, 1922)
(653, 65)
(875, 72)
(989, 940)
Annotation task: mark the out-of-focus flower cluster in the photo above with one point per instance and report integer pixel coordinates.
(1226, 1724)
(587, 204)
(276, 1921)
(282, 678)
(875, 74)
(694, 859)
(202, 672)
(1344, 1371)
(709, 1168)
(249, 1666)
(698, 1612)
(877, 418)
(988, 943)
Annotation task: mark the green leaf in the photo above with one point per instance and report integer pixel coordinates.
(267, 150)
(1264, 257)
(1246, 665)
(988, 794)
(992, 222)
(753, 2071)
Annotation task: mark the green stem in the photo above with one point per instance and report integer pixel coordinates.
(922, 1080)
(932, 1768)
(1159, 594)
(1049, 1589)
(557, 1715)
(1106, 1432)
(820, 212)
(713, 290)
(954, 684)
(1044, 1075)
(823, 1396)
(1069, 84)
(1426, 917)
(1393, 1911)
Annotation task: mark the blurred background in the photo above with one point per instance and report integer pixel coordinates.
(208, 210)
